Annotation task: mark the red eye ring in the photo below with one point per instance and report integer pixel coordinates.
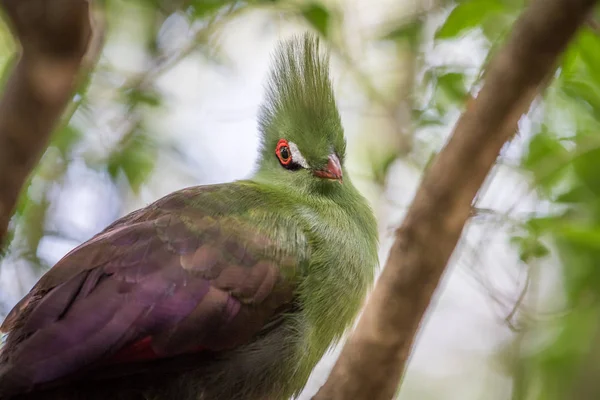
(283, 152)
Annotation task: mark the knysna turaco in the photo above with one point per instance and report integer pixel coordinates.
(223, 292)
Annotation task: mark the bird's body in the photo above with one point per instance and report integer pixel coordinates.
(222, 292)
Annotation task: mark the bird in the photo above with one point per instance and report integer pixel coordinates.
(228, 291)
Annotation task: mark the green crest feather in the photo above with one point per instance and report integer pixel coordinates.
(300, 104)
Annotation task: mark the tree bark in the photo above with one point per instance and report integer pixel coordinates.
(373, 360)
(54, 36)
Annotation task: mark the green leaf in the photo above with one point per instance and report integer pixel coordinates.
(588, 46)
(570, 61)
(574, 195)
(467, 15)
(201, 8)
(409, 32)
(136, 96)
(453, 86)
(497, 25)
(583, 91)
(546, 158)
(587, 165)
(539, 225)
(318, 16)
(529, 247)
(581, 236)
(582, 55)
(135, 158)
(65, 139)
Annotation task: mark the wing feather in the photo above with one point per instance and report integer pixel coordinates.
(165, 284)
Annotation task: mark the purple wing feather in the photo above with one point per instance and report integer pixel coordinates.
(173, 282)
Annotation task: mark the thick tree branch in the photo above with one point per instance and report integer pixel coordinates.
(54, 36)
(374, 358)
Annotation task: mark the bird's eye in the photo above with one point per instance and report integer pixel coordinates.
(283, 152)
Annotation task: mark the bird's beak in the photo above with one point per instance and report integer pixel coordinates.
(332, 171)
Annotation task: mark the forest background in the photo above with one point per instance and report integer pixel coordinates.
(171, 99)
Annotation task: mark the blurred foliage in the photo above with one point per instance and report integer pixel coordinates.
(561, 155)
(563, 158)
(565, 161)
(318, 16)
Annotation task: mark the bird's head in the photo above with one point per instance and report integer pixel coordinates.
(302, 137)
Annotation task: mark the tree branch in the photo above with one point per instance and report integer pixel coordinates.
(54, 37)
(373, 360)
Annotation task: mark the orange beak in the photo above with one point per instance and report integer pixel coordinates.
(332, 171)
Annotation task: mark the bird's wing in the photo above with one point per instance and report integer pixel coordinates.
(165, 285)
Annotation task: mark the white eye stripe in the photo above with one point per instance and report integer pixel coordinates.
(297, 156)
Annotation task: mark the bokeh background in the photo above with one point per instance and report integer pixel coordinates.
(173, 101)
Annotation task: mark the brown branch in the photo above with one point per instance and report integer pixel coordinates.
(54, 37)
(373, 360)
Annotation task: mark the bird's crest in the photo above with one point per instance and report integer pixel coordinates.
(299, 78)
(300, 103)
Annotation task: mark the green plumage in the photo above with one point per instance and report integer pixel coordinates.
(335, 219)
(291, 252)
(300, 104)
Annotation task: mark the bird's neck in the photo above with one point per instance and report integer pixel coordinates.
(343, 263)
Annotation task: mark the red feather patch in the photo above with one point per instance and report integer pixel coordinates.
(139, 351)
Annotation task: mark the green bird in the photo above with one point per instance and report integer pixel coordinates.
(222, 292)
